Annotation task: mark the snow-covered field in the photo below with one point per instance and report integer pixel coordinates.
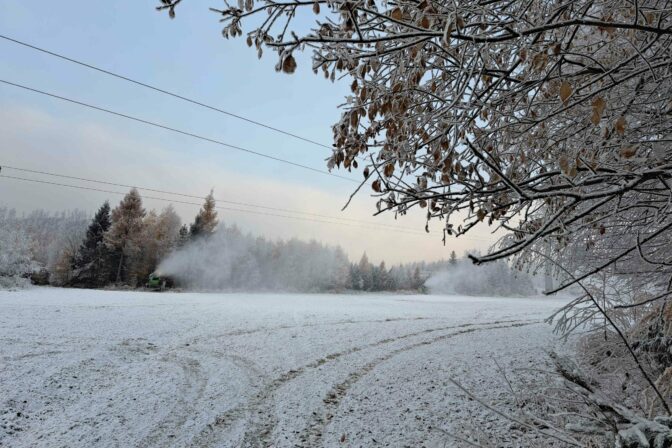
(81, 368)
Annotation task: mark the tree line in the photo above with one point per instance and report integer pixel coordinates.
(118, 246)
(122, 246)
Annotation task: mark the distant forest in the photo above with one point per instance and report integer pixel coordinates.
(122, 246)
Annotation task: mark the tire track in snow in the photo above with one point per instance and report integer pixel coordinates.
(207, 437)
(243, 332)
(172, 423)
(164, 433)
(194, 383)
(260, 410)
(312, 435)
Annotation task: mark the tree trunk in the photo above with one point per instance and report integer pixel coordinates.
(121, 260)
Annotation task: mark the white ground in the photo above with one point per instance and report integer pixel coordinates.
(82, 368)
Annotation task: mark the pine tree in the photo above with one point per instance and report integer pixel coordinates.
(91, 263)
(355, 277)
(182, 236)
(383, 278)
(417, 282)
(453, 258)
(206, 221)
(124, 236)
(366, 273)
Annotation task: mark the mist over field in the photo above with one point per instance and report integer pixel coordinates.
(494, 279)
(231, 260)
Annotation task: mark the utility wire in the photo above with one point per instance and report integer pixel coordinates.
(365, 224)
(160, 90)
(178, 131)
(199, 205)
(154, 190)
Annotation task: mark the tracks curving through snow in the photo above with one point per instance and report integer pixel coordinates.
(261, 409)
(311, 436)
(119, 368)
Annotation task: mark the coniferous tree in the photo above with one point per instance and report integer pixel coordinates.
(124, 236)
(167, 231)
(16, 259)
(69, 230)
(91, 265)
(453, 258)
(355, 277)
(383, 278)
(149, 246)
(159, 237)
(365, 273)
(417, 281)
(206, 221)
(182, 236)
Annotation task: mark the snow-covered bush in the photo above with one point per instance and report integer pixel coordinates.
(16, 262)
(67, 234)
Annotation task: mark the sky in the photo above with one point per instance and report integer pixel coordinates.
(188, 56)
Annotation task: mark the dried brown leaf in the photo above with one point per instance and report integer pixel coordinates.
(620, 125)
(565, 92)
(396, 14)
(628, 152)
(289, 64)
(598, 105)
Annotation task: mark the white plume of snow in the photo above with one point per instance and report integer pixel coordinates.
(491, 279)
(230, 260)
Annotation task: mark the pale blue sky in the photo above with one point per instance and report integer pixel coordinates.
(186, 55)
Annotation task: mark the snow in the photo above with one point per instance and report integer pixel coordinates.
(84, 368)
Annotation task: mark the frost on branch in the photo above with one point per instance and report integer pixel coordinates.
(534, 116)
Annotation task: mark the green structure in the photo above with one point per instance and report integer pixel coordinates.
(156, 282)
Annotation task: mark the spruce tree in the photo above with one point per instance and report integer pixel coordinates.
(453, 258)
(383, 278)
(183, 236)
(91, 263)
(355, 277)
(125, 234)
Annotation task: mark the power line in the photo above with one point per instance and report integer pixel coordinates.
(154, 190)
(178, 131)
(79, 187)
(365, 224)
(160, 90)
